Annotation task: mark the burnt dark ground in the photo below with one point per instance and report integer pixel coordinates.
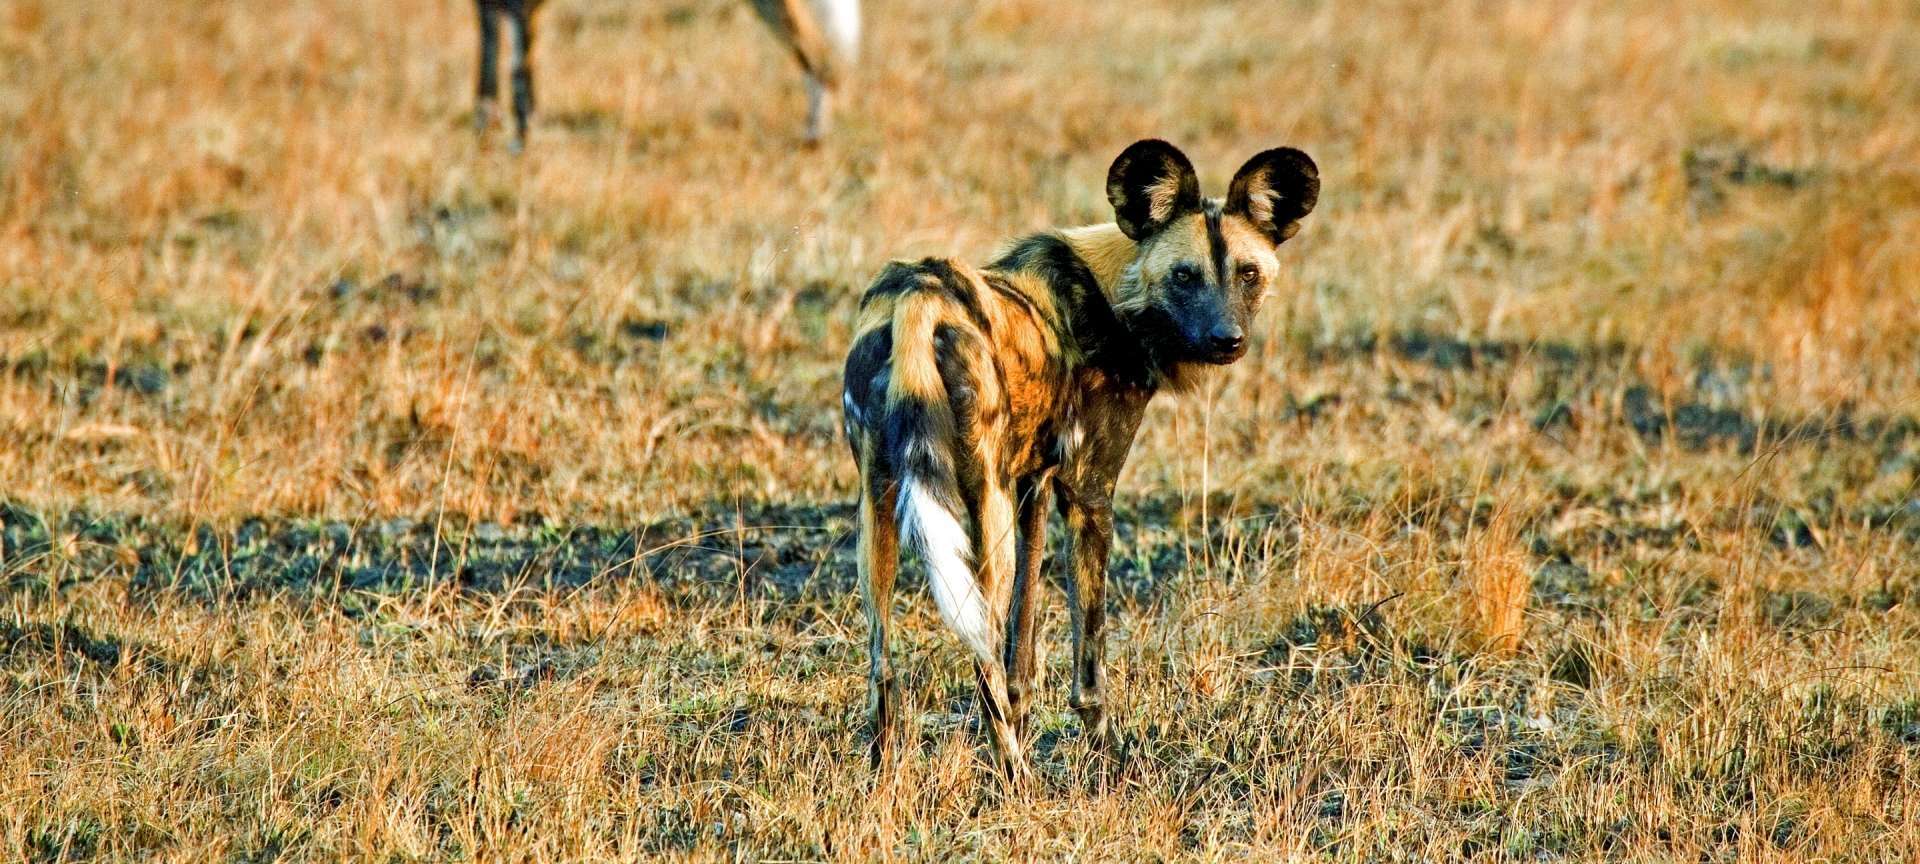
(802, 552)
(793, 554)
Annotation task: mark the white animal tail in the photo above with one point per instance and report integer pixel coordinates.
(933, 529)
(841, 21)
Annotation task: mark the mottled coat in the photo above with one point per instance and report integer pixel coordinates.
(976, 395)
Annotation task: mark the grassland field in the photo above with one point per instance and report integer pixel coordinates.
(370, 493)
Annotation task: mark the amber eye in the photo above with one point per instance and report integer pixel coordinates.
(1249, 276)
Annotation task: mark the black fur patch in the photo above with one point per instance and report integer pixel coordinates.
(1092, 323)
(865, 372)
(952, 348)
(1216, 242)
(1049, 257)
(1155, 349)
(957, 288)
(895, 279)
(1294, 179)
(951, 345)
(916, 440)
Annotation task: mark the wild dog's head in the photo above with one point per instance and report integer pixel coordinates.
(1202, 264)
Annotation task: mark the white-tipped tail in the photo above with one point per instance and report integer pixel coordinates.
(841, 20)
(934, 530)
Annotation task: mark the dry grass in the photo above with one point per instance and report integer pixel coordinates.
(1566, 506)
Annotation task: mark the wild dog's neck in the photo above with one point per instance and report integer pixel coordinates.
(1111, 256)
(1105, 340)
(1081, 276)
(1107, 251)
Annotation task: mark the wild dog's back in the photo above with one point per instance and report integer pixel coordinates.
(947, 352)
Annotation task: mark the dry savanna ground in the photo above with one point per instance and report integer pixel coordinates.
(369, 493)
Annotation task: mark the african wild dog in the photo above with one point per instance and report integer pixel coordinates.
(974, 395)
(824, 36)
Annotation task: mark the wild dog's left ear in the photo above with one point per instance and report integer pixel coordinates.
(1274, 191)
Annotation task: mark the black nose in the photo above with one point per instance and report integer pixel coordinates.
(1226, 339)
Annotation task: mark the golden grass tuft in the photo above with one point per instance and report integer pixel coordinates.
(1499, 583)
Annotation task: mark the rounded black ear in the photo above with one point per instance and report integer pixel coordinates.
(1274, 191)
(1149, 184)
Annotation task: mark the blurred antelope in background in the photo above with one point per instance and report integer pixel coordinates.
(824, 36)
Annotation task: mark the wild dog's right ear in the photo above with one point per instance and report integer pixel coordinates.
(1149, 184)
(1274, 191)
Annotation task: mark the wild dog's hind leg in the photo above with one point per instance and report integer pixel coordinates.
(487, 86)
(879, 562)
(1022, 639)
(995, 714)
(1090, 533)
(999, 545)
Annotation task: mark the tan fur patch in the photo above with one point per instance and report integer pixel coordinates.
(1161, 196)
(874, 315)
(1260, 195)
(1036, 291)
(1107, 251)
(1188, 377)
(1183, 240)
(1038, 331)
(916, 372)
(1246, 245)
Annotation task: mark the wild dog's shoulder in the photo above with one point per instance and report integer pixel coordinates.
(1070, 266)
(1048, 256)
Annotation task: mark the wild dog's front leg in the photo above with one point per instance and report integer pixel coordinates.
(1022, 641)
(1090, 531)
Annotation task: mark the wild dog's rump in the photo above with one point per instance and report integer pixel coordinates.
(929, 391)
